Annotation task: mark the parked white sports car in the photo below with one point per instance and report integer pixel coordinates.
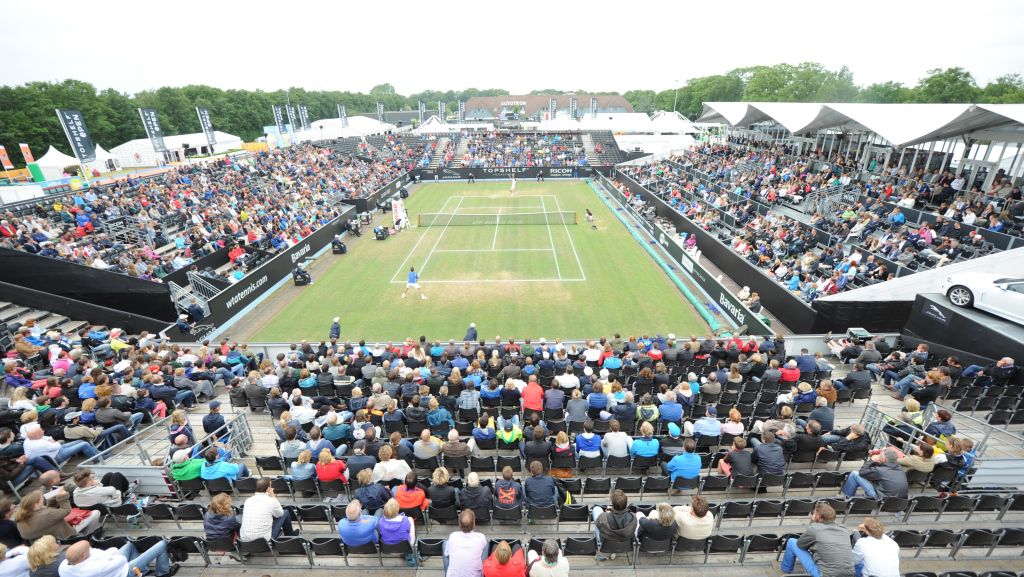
(999, 295)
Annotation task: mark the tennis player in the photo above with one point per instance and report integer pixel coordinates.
(413, 282)
(590, 219)
(512, 190)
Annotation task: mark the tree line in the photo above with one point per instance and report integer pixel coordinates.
(27, 111)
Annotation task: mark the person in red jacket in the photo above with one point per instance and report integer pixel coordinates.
(533, 396)
(505, 562)
(790, 374)
(328, 468)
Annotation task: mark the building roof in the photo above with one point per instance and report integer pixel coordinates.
(537, 105)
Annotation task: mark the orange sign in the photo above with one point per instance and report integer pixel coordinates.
(26, 153)
(5, 160)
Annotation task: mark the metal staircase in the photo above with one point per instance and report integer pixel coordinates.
(588, 148)
(442, 144)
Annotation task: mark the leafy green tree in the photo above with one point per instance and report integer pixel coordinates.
(949, 85)
(1008, 89)
(885, 93)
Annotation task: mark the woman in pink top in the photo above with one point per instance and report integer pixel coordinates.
(734, 424)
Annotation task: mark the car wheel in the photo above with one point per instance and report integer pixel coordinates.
(960, 296)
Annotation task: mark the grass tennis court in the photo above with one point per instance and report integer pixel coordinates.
(517, 266)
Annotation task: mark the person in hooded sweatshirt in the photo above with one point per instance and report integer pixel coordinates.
(617, 523)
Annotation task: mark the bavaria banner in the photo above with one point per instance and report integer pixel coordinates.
(593, 107)
(204, 122)
(552, 108)
(78, 134)
(343, 115)
(304, 116)
(26, 153)
(5, 160)
(423, 110)
(462, 111)
(151, 122)
(573, 104)
(380, 112)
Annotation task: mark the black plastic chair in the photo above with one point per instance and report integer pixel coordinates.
(190, 544)
(734, 510)
(190, 512)
(508, 515)
(924, 504)
(688, 546)
(655, 485)
(757, 543)
(482, 464)
(767, 508)
(441, 515)
(629, 484)
(509, 461)
(938, 539)
(430, 547)
(580, 546)
(272, 463)
(617, 547)
(294, 546)
(369, 549)
(535, 513)
(161, 512)
(256, 547)
(597, 486)
(574, 513)
(649, 546)
(402, 548)
(731, 544)
(976, 538)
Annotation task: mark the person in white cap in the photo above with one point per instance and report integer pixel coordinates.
(470, 333)
(336, 328)
(183, 325)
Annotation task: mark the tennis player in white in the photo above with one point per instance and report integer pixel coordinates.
(512, 190)
(413, 282)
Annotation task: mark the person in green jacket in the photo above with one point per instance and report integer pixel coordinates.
(185, 469)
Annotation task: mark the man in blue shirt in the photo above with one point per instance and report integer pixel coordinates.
(686, 465)
(215, 468)
(356, 528)
(708, 425)
(805, 362)
(671, 411)
(413, 281)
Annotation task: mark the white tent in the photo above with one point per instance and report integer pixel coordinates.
(434, 125)
(672, 123)
(559, 123)
(139, 152)
(52, 163)
(100, 164)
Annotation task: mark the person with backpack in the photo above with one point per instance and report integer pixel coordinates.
(508, 493)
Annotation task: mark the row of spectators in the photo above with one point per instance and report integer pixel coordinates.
(503, 149)
(272, 199)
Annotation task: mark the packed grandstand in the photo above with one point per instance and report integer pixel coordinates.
(511, 456)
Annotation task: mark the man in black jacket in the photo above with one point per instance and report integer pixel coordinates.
(880, 477)
(769, 456)
(849, 440)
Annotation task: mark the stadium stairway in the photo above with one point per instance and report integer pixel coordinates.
(460, 149)
(435, 160)
(588, 146)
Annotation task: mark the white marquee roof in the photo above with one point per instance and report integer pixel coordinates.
(900, 124)
(672, 122)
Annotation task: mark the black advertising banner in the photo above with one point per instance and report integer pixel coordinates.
(593, 107)
(380, 112)
(423, 110)
(204, 122)
(572, 107)
(279, 120)
(442, 109)
(78, 134)
(552, 108)
(291, 117)
(520, 172)
(462, 111)
(151, 122)
(304, 116)
(343, 115)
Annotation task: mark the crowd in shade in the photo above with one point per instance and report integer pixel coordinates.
(734, 189)
(269, 200)
(506, 149)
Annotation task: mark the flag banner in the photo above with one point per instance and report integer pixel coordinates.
(5, 160)
(291, 117)
(304, 116)
(204, 122)
(552, 108)
(380, 112)
(423, 110)
(26, 153)
(442, 109)
(343, 115)
(593, 107)
(78, 134)
(151, 122)
(572, 107)
(279, 119)
(462, 111)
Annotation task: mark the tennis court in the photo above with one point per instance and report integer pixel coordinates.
(523, 265)
(482, 239)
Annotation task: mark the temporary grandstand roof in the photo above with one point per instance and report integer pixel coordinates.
(900, 124)
(620, 122)
(357, 126)
(56, 158)
(433, 125)
(673, 122)
(559, 122)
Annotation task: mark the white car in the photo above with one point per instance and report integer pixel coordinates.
(997, 294)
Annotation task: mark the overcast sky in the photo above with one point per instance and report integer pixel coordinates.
(519, 46)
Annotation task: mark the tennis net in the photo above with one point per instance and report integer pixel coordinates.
(461, 219)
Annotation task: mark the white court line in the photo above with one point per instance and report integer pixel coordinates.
(497, 224)
(443, 230)
(573, 245)
(487, 280)
(551, 238)
(498, 207)
(493, 250)
(401, 267)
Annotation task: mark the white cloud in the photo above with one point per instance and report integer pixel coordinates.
(520, 46)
